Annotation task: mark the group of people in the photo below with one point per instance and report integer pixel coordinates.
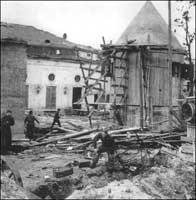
(29, 123)
(107, 145)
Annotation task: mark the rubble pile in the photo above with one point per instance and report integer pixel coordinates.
(56, 165)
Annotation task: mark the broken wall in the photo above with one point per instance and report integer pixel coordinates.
(13, 76)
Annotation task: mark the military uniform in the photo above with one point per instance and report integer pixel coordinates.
(108, 146)
(30, 125)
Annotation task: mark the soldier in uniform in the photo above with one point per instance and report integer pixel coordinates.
(30, 125)
(108, 146)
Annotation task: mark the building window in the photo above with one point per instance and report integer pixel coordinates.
(89, 54)
(175, 70)
(58, 52)
(51, 77)
(47, 41)
(77, 78)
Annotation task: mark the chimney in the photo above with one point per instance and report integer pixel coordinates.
(64, 37)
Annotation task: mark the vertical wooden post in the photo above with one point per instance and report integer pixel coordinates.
(150, 110)
(86, 100)
(170, 65)
(141, 88)
(180, 80)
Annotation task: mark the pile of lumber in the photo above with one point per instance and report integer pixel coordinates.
(77, 141)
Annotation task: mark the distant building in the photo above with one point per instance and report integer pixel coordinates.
(41, 71)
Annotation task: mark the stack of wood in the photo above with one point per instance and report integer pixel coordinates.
(77, 141)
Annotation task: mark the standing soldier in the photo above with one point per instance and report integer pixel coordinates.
(6, 134)
(30, 125)
(56, 118)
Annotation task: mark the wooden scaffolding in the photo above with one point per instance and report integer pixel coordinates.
(93, 84)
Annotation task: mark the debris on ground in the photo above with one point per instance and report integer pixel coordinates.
(56, 165)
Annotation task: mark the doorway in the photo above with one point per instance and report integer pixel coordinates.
(51, 97)
(77, 92)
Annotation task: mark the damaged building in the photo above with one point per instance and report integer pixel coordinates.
(41, 71)
(112, 138)
(139, 63)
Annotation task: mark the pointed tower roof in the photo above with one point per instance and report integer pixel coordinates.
(148, 28)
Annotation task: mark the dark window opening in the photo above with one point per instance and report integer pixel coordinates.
(175, 69)
(47, 41)
(187, 72)
(95, 99)
(51, 77)
(108, 98)
(77, 78)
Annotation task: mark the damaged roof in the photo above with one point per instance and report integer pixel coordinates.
(148, 28)
(34, 36)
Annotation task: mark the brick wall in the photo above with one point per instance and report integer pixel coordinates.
(13, 76)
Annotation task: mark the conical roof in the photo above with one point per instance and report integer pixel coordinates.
(148, 28)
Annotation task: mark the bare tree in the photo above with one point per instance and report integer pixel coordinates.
(183, 21)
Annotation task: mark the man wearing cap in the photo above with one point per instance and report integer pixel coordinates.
(6, 135)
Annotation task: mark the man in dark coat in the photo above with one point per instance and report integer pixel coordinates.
(108, 146)
(56, 119)
(118, 116)
(30, 124)
(6, 135)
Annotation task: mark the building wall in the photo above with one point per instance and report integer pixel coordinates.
(157, 78)
(155, 88)
(64, 71)
(13, 76)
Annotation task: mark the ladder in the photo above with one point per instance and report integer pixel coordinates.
(120, 83)
(95, 85)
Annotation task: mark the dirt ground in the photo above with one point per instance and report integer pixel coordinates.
(163, 178)
(159, 176)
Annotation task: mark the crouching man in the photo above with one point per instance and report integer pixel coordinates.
(108, 146)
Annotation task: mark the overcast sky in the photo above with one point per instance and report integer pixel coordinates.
(84, 22)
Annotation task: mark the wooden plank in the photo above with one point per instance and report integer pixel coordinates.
(91, 78)
(186, 139)
(85, 68)
(85, 97)
(141, 67)
(74, 135)
(124, 130)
